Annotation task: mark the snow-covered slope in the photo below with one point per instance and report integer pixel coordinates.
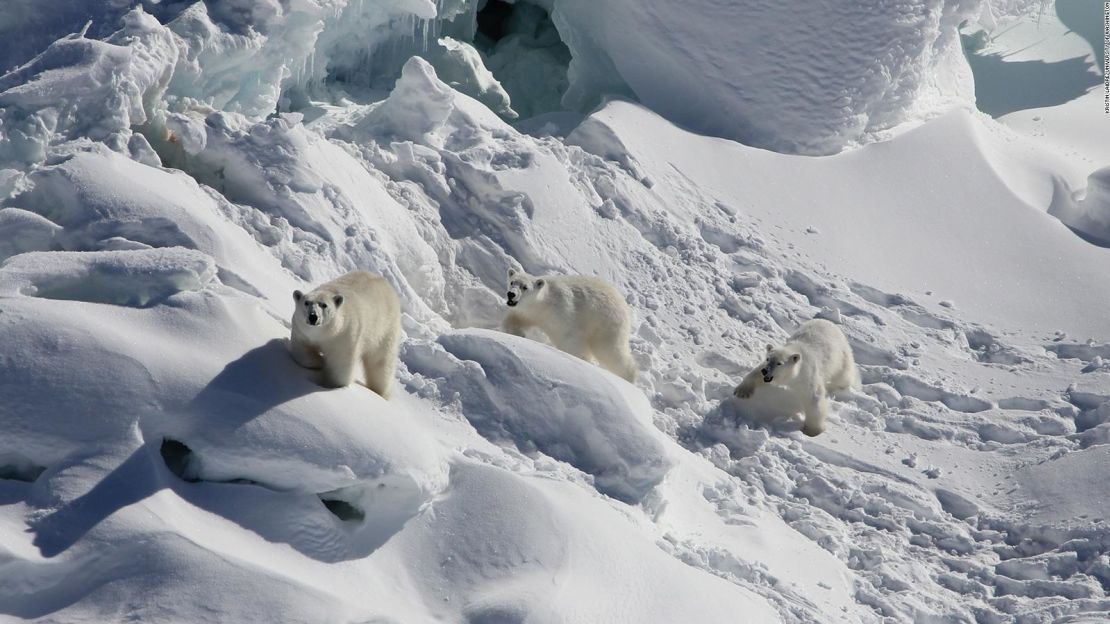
(164, 459)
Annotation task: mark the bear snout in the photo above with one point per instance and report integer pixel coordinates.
(313, 319)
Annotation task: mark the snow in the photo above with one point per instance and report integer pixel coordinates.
(171, 174)
(806, 81)
(591, 421)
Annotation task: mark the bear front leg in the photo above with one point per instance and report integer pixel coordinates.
(338, 372)
(816, 410)
(748, 384)
(513, 324)
(306, 355)
(379, 374)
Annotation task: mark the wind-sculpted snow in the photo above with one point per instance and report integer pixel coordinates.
(809, 81)
(135, 277)
(527, 394)
(164, 459)
(1089, 213)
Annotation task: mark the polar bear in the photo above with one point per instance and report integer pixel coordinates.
(354, 319)
(582, 315)
(814, 362)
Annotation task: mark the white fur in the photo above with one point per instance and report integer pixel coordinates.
(816, 361)
(364, 329)
(582, 315)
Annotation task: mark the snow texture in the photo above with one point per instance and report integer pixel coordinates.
(170, 173)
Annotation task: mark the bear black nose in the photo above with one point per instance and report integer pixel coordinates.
(312, 319)
(511, 295)
(764, 371)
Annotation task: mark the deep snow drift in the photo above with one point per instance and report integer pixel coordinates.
(166, 182)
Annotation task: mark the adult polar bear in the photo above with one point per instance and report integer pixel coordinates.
(814, 362)
(354, 319)
(582, 315)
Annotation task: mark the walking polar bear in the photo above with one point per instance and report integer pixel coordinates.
(814, 362)
(582, 315)
(352, 320)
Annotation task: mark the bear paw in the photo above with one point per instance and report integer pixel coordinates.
(743, 391)
(813, 430)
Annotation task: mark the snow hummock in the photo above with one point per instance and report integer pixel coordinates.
(592, 421)
(167, 180)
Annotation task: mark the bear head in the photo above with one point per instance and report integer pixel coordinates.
(316, 311)
(781, 365)
(523, 289)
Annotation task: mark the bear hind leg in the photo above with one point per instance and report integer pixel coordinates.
(847, 378)
(572, 345)
(617, 360)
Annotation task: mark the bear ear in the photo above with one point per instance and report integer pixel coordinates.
(297, 295)
(338, 299)
(770, 348)
(794, 358)
(539, 284)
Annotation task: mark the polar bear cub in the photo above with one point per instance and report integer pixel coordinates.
(814, 362)
(582, 315)
(351, 321)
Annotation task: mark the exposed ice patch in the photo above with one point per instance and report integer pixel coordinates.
(462, 67)
(85, 88)
(525, 52)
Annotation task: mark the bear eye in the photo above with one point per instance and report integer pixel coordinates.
(323, 305)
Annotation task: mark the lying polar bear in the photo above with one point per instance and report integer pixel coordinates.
(351, 321)
(814, 362)
(582, 315)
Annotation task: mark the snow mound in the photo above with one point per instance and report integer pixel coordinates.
(562, 554)
(811, 81)
(517, 390)
(22, 230)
